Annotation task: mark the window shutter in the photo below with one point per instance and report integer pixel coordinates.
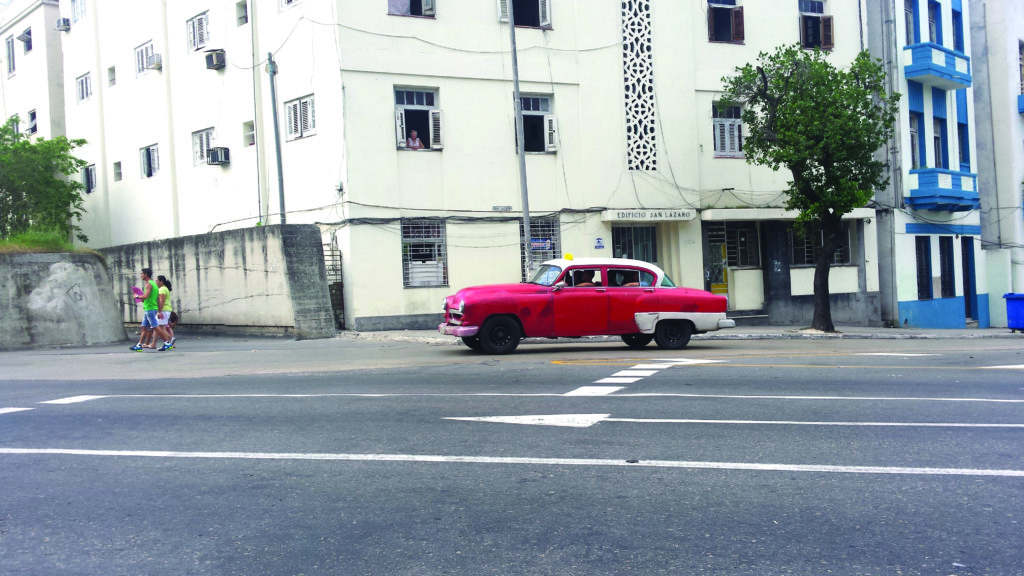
(803, 31)
(551, 128)
(720, 140)
(307, 117)
(436, 140)
(503, 10)
(428, 8)
(737, 24)
(201, 26)
(154, 158)
(400, 127)
(545, 13)
(827, 41)
(711, 24)
(292, 119)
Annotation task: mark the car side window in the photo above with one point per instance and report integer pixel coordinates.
(630, 278)
(583, 277)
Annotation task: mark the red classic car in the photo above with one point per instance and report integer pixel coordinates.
(584, 297)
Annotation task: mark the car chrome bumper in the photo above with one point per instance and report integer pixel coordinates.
(461, 331)
(726, 323)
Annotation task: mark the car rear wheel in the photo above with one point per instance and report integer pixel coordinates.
(473, 342)
(672, 334)
(637, 340)
(499, 335)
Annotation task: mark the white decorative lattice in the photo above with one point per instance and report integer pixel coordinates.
(638, 67)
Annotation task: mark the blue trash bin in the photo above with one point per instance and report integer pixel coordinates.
(1014, 311)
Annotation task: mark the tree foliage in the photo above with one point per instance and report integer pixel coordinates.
(824, 125)
(35, 189)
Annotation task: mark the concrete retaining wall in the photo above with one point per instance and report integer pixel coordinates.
(268, 279)
(57, 300)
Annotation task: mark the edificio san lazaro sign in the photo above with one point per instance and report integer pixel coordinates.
(647, 215)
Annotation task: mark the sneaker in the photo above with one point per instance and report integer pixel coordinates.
(165, 347)
(136, 348)
(173, 340)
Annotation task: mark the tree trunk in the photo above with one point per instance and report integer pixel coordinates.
(822, 266)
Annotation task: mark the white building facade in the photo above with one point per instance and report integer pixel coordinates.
(31, 73)
(997, 32)
(626, 153)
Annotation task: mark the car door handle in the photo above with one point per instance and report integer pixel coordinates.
(648, 289)
(601, 290)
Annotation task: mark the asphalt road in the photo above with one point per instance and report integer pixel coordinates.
(381, 458)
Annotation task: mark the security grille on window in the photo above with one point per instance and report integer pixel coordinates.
(545, 241)
(77, 10)
(10, 55)
(805, 247)
(300, 118)
(529, 13)
(636, 242)
(728, 131)
(725, 21)
(150, 161)
(83, 87)
(424, 259)
(924, 267)
(89, 178)
(411, 7)
(198, 31)
(740, 239)
(416, 111)
(143, 58)
(202, 141)
(815, 27)
(540, 128)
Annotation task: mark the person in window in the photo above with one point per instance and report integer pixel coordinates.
(413, 141)
(583, 278)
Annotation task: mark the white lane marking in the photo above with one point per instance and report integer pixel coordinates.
(816, 398)
(13, 410)
(651, 366)
(73, 399)
(586, 420)
(566, 420)
(618, 380)
(593, 391)
(1013, 367)
(640, 373)
(426, 458)
(892, 354)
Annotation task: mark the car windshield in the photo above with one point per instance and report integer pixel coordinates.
(545, 275)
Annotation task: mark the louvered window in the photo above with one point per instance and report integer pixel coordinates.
(149, 158)
(300, 118)
(202, 141)
(728, 132)
(418, 120)
(198, 31)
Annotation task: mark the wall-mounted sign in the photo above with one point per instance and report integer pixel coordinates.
(648, 215)
(540, 243)
(599, 244)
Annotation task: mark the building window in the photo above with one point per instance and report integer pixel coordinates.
(947, 271)
(414, 8)
(545, 241)
(934, 23)
(300, 118)
(117, 171)
(242, 13)
(916, 142)
(815, 27)
(77, 10)
(636, 242)
(417, 119)
(89, 178)
(540, 129)
(198, 31)
(424, 258)
(83, 87)
(26, 40)
(528, 13)
(111, 76)
(202, 141)
(805, 248)
(924, 267)
(964, 140)
(249, 133)
(145, 58)
(941, 143)
(725, 21)
(728, 131)
(958, 31)
(10, 55)
(32, 122)
(150, 161)
(290, 3)
(910, 21)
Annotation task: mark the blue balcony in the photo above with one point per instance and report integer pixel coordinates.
(938, 66)
(941, 189)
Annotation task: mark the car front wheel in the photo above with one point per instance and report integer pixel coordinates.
(672, 334)
(499, 335)
(637, 340)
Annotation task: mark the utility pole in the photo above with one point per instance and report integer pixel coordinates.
(527, 244)
(272, 70)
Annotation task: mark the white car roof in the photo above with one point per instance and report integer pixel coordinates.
(564, 263)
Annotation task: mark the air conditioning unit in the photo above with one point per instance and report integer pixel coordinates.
(218, 156)
(63, 24)
(215, 60)
(154, 62)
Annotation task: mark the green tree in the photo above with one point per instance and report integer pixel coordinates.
(35, 191)
(824, 125)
